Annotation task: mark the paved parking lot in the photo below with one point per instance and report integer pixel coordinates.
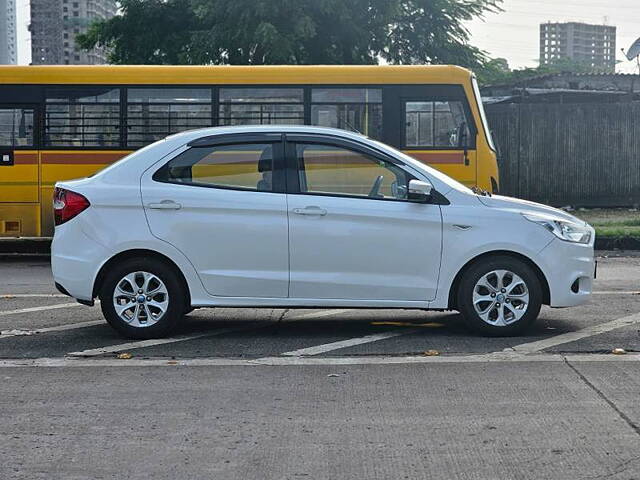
(44, 324)
(262, 393)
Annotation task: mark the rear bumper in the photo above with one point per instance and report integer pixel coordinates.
(75, 261)
(570, 269)
(62, 290)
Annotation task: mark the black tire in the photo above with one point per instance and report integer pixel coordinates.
(483, 267)
(176, 298)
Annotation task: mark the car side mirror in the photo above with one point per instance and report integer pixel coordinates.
(419, 191)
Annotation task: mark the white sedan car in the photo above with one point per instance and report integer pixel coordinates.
(292, 216)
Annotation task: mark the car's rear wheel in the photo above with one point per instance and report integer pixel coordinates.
(142, 298)
(500, 296)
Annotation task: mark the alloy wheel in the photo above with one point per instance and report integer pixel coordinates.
(140, 299)
(500, 297)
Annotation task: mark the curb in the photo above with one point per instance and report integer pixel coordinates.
(617, 243)
(25, 246)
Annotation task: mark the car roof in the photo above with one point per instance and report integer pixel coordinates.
(127, 170)
(190, 135)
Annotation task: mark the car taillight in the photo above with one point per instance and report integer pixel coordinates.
(67, 204)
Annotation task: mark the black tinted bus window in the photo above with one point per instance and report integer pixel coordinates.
(82, 117)
(353, 109)
(440, 124)
(154, 113)
(16, 127)
(261, 106)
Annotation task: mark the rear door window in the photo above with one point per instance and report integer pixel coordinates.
(243, 166)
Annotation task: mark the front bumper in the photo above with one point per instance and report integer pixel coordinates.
(570, 270)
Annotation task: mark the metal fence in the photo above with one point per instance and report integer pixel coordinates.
(584, 154)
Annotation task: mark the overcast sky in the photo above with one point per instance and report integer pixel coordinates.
(512, 34)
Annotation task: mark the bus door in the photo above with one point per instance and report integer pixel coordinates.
(19, 170)
(436, 127)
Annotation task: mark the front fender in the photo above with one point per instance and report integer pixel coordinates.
(469, 232)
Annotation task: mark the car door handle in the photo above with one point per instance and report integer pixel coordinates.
(165, 205)
(310, 211)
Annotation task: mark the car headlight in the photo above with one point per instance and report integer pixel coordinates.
(563, 229)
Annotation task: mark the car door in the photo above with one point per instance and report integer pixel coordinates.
(222, 203)
(352, 232)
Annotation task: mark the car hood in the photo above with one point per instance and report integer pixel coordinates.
(498, 201)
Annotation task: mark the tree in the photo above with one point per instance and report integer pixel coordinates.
(147, 32)
(494, 72)
(250, 32)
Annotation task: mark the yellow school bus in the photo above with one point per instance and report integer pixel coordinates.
(62, 122)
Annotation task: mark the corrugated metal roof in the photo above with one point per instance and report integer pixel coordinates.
(563, 74)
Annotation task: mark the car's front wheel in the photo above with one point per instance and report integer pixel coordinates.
(500, 296)
(142, 298)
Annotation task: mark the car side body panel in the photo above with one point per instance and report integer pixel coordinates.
(116, 222)
(470, 230)
(112, 225)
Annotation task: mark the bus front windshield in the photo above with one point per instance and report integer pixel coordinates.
(483, 115)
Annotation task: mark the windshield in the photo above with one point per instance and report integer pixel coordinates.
(483, 115)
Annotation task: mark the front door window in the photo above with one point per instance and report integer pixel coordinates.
(333, 170)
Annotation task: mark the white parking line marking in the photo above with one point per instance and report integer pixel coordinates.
(314, 361)
(539, 345)
(146, 343)
(32, 295)
(406, 359)
(38, 309)
(324, 313)
(163, 341)
(617, 292)
(58, 328)
(328, 347)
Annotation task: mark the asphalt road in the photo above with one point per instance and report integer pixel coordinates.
(318, 394)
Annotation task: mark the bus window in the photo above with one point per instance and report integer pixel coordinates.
(261, 106)
(354, 109)
(436, 124)
(154, 113)
(16, 127)
(82, 117)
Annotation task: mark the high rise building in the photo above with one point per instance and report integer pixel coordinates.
(593, 45)
(55, 24)
(8, 44)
